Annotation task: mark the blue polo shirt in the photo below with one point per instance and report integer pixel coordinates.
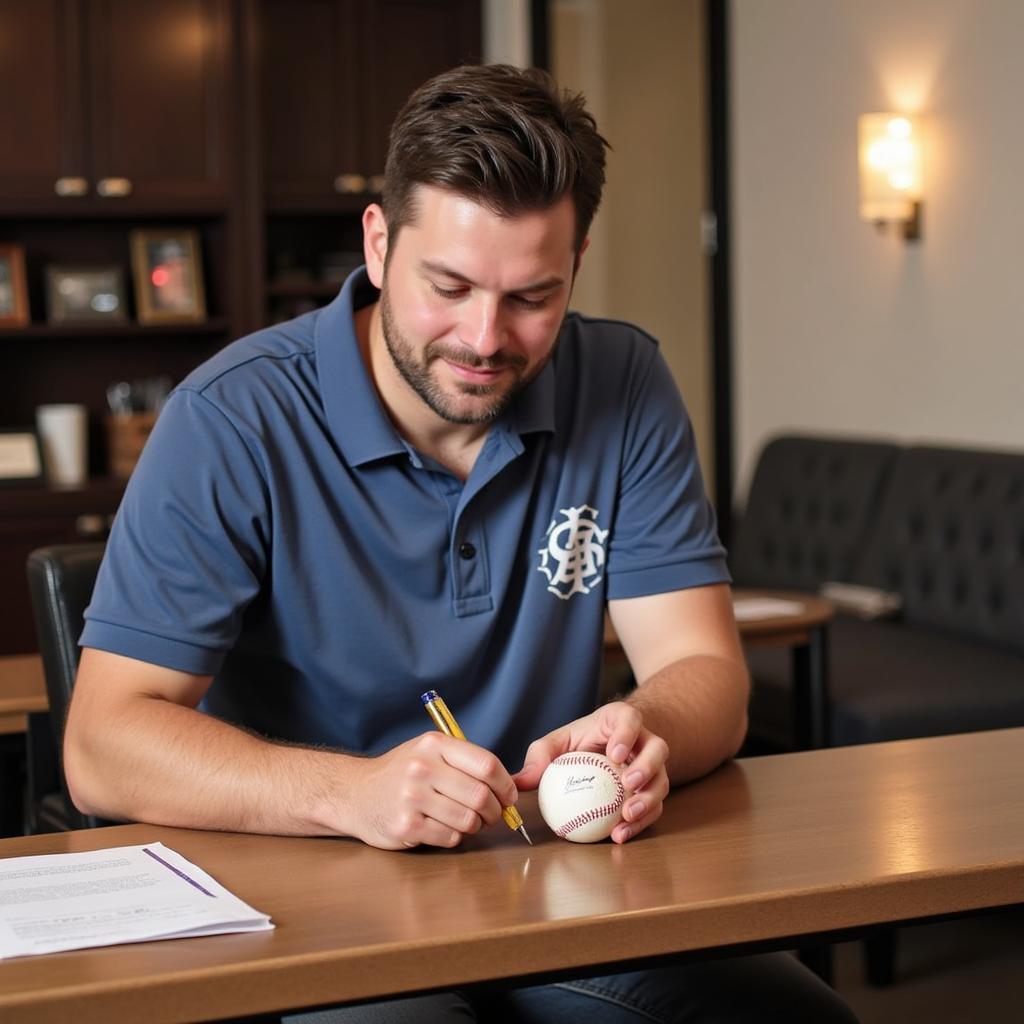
(280, 535)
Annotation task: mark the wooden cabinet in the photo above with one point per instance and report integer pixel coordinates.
(114, 101)
(114, 115)
(159, 75)
(308, 89)
(403, 43)
(330, 77)
(42, 110)
(259, 124)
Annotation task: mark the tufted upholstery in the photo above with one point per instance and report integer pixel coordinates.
(949, 537)
(944, 527)
(807, 511)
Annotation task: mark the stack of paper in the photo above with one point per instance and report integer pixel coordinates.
(750, 609)
(106, 897)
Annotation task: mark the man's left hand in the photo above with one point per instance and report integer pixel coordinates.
(616, 730)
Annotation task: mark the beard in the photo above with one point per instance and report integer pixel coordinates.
(415, 369)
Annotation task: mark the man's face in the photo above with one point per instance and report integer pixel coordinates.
(472, 303)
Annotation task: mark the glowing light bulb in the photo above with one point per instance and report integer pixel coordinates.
(900, 128)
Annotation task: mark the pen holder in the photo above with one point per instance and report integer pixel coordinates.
(126, 437)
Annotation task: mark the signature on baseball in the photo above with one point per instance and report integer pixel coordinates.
(575, 783)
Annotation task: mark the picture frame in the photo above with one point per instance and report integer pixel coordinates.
(21, 457)
(85, 294)
(167, 270)
(14, 311)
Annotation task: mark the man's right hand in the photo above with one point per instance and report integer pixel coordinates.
(136, 749)
(431, 790)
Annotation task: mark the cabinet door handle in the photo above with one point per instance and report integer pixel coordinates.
(376, 184)
(71, 186)
(350, 184)
(114, 188)
(91, 525)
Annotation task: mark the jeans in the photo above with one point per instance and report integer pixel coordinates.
(774, 988)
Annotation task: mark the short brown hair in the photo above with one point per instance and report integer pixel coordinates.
(505, 137)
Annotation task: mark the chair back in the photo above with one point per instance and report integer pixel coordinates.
(61, 579)
(808, 511)
(948, 539)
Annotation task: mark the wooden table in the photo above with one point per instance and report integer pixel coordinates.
(806, 634)
(23, 707)
(758, 854)
(22, 690)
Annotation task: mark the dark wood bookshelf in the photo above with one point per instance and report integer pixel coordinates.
(243, 141)
(89, 331)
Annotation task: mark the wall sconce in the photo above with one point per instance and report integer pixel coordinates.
(890, 171)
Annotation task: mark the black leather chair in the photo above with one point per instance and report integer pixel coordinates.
(944, 534)
(60, 580)
(807, 517)
(808, 511)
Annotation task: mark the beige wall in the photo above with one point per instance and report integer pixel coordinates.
(506, 32)
(839, 328)
(641, 66)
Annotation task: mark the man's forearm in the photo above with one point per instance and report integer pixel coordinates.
(698, 705)
(159, 762)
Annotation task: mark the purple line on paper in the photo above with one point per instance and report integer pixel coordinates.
(180, 874)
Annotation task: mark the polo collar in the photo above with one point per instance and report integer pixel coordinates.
(533, 411)
(357, 419)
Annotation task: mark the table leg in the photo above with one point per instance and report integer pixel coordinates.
(811, 714)
(12, 783)
(811, 706)
(819, 960)
(42, 768)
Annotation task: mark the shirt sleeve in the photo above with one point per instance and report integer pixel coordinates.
(665, 536)
(189, 544)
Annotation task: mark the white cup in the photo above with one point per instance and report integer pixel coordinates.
(64, 435)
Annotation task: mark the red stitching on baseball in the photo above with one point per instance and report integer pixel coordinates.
(591, 761)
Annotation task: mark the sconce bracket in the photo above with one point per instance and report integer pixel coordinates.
(912, 226)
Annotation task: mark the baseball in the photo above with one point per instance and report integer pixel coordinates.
(581, 796)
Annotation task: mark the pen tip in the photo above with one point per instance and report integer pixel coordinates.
(526, 835)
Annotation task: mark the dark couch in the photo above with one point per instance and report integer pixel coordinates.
(941, 527)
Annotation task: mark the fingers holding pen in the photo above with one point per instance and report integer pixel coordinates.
(434, 790)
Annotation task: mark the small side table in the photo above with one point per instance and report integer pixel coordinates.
(800, 622)
(23, 710)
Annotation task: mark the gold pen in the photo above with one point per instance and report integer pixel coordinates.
(445, 721)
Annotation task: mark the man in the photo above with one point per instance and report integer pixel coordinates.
(438, 481)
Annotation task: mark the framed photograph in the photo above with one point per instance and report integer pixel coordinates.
(82, 294)
(21, 457)
(13, 291)
(168, 272)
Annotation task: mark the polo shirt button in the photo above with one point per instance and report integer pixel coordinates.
(466, 550)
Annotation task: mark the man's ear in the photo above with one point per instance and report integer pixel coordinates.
(375, 243)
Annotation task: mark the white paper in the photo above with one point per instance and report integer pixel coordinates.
(747, 609)
(106, 897)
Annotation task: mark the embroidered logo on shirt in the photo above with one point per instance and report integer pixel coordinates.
(573, 557)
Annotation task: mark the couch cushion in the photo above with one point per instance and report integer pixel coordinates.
(891, 680)
(949, 538)
(807, 511)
